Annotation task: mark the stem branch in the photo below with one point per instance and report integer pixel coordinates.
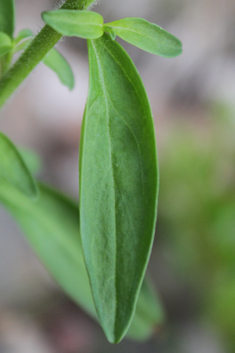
(31, 57)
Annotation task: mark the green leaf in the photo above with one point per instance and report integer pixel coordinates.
(14, 170)
(84, 24)
(147, 36)
(110, 32)
(22, 45)
(7, 17)
(55, 61)
(23, 39)
(118, 184)
(5, 44)
(51, 225)
(22, 35)
(149, 313)
(32, 160)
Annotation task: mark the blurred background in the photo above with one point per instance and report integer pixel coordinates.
(193, 258)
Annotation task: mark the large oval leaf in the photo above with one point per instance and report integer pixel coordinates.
(55, 61)
(13, 168)
(5, 44)
(84, 24)
(7, 17)
(51, 225)
(147, 36)
(118, 184)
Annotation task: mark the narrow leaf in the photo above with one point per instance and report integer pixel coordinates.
(22, 35)
(5, 44)
(7, 17)
(51, 225)
(84, 24)
(147, 36)
(13, 168)
(118, 184)
(55, 61)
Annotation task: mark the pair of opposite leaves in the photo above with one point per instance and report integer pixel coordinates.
(51, 224)
(118, 175)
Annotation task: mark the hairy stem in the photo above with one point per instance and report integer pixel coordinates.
(31, 57)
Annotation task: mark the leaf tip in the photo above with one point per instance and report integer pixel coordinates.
(71, 85)
(34, 192)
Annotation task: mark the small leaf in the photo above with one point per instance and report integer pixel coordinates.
(84, 24)
(118, 184)
(147, 36)
(23, 39)
(110, 31)
(7, 17)
(14, 170)
(5, 44)
(22, 45)
(55, 61)
(51, 225)
(22, 35)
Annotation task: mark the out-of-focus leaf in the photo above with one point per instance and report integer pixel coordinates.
(7, 17)
(118, 184)
(5, 44)
(23, 34)
(84, 24)
(55, 61)
(51, 225)
(22, 45)
(149, 313)
(110, 31)
(14, 170)
(147, 36)
(32, 160)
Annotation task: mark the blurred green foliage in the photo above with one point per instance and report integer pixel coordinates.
(197, 213)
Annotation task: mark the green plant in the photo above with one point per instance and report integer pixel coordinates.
(118, 167)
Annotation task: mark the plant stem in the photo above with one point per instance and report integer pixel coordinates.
(31, 57)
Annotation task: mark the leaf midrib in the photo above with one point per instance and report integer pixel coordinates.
(140, 99)
(131, 30)
(110, 151)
